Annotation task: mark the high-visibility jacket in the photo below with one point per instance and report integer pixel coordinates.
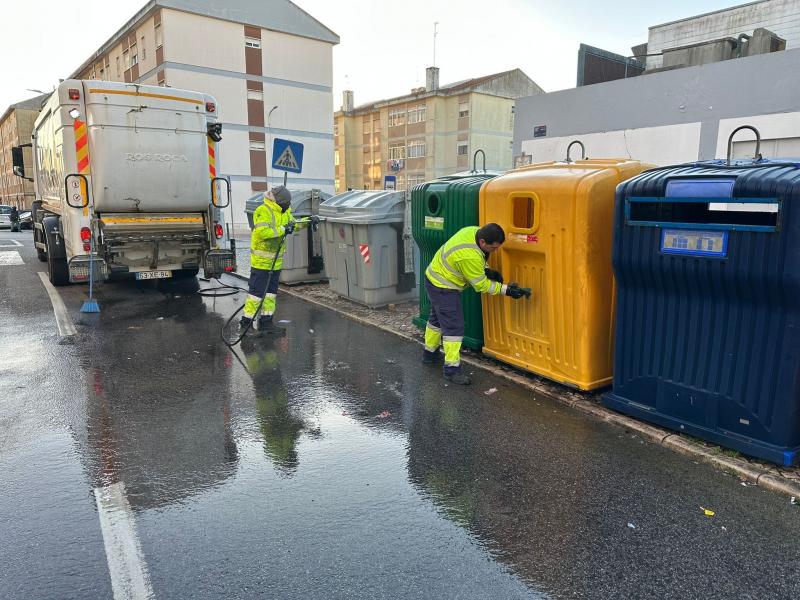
(461, 263)
(269, 226)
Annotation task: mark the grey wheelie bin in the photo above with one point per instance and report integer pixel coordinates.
(370, 256)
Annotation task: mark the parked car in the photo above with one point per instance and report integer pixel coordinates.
(26, 220)
(5, 216)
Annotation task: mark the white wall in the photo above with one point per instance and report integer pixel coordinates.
(779, 16)
(296, 58)
(780, 135)
(664, 145)
(196, 40)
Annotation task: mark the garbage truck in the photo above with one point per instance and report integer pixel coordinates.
(125, 183)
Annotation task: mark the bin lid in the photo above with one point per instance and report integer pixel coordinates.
(467, 174)
(301, 200)
(365, 206)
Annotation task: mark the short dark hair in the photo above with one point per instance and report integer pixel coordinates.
(491, 233)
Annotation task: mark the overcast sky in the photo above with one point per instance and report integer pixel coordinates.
(385, 46)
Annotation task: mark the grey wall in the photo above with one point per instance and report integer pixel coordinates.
(742, 87)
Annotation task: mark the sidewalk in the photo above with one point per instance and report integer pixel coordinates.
(396, 319)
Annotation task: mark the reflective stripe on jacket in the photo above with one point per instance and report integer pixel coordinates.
(459, 263)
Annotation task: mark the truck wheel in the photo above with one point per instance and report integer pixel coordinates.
(57, 268)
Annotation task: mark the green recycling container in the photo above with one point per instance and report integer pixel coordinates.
(439, 208)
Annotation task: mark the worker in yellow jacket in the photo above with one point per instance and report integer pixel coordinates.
(461, 262)
(272, 221)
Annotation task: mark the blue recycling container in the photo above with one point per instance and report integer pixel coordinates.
(707, 265)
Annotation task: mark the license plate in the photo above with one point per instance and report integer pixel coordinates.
(153, 274)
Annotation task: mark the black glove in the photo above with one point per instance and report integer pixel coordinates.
(288, 229)
(516, 292)
(314, 220)
(493, 275)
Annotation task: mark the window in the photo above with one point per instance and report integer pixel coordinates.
(144, 50)
(397, 152)
(252, 42)
(255, 145)
(415, 179)
(255, 95)
(118, 71)
(336, 157)
(376, 125)
(463, 149)
(134, 60)
(417, 114)
(336, 128)
(159, 36)
(126, 60)
(416, 148)
(523, 213)
(397, 117)
(463, 109)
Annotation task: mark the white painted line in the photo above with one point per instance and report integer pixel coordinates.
(13, 244)
(10, 257)
(130, 579)
(65, 326)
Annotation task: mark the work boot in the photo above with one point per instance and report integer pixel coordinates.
(456, 375)
(245, 325)
(267, 326)
(431, 358)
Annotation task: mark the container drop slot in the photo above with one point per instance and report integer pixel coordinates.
(522, 212)
(743, 214)
(433, 205)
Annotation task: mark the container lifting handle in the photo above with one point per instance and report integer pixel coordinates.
(475, 161)
(77, 193)
(569, 149)
(757, 156)
(214, 181)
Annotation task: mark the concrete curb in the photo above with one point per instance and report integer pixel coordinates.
(754, 474)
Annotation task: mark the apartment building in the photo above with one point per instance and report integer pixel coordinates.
(267, 62)
(431, 132)
(16, 126)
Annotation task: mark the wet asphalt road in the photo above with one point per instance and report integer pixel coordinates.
(331, 464)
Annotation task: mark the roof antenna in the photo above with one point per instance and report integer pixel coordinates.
(435, 33)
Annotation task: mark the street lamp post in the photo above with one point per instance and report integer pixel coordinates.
(269, 137)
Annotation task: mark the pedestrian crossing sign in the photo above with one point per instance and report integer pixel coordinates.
(287, 156)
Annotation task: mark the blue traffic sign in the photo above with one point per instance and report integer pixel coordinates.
(287, 155)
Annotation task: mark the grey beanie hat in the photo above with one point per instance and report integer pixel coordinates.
(282, 196)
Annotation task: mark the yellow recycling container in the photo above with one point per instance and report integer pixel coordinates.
(559, 224)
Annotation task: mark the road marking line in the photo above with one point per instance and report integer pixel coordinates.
(130, 579)
(10, 257)
(65, 326)
(13, 244)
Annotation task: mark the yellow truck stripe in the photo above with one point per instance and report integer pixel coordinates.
(145, 95)
(115, 221)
